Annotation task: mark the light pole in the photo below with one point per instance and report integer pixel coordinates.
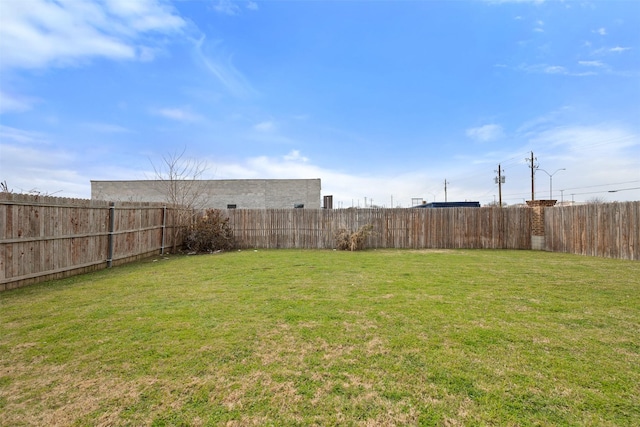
(551, 180)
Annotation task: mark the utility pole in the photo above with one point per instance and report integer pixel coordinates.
(499, 180)
(533, 167)
(445, 190)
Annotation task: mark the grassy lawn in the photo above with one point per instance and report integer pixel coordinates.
(386, 337)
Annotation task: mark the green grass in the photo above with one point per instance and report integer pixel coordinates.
(290, 337)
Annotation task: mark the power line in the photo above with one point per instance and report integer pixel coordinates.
(601, 185)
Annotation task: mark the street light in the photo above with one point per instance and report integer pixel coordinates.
(551, 180)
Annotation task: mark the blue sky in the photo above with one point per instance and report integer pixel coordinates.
(383, 101)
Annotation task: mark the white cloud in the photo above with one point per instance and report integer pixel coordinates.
(594, 156)
(295, 156)
(146, 53)
(227, 7)
(587, 139)
(178, 114)
(601, 31)
(555, 69)
(20, 136)
(619, 49)
(606, 50)
(15, 103)
(146, 15)
(486, 133)
(347, 189)
(232, 8)
(597, 64)
(223, 70)
(27, 168)
(106, 128)
(40, 33)
(266, 126)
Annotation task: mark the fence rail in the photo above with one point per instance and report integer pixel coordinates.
(44, 238)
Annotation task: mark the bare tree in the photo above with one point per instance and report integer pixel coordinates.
(598, 200)
(4, 188)
(179, 183)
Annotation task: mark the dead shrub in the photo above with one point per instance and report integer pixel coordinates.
(353, 240)
(209, 233)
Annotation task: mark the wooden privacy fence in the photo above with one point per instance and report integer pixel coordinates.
(489, 228)
(609, 230)
(43, 238)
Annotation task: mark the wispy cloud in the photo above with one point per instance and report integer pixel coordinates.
(591, 63)
(223, 70)
(45, 170)
(602, 31)
(486, 133)
(559, 70)
(295, 156)
(347, 189)
(266, 126)
(554, 69)
(619, 49)
(179, 114)
(227, 7)
(233, 8)
(539, 27)
(600, 138)
(15, 103)
(605, 50)
(21, 136)
(40, 33)
(106, 128)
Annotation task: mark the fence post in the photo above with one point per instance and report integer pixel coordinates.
(164, 226)
(112, 221)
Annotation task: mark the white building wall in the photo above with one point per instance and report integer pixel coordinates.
(219, 194)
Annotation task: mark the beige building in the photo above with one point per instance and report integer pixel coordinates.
(219, 194)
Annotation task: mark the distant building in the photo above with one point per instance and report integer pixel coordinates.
(220, 194)
(448, 205)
